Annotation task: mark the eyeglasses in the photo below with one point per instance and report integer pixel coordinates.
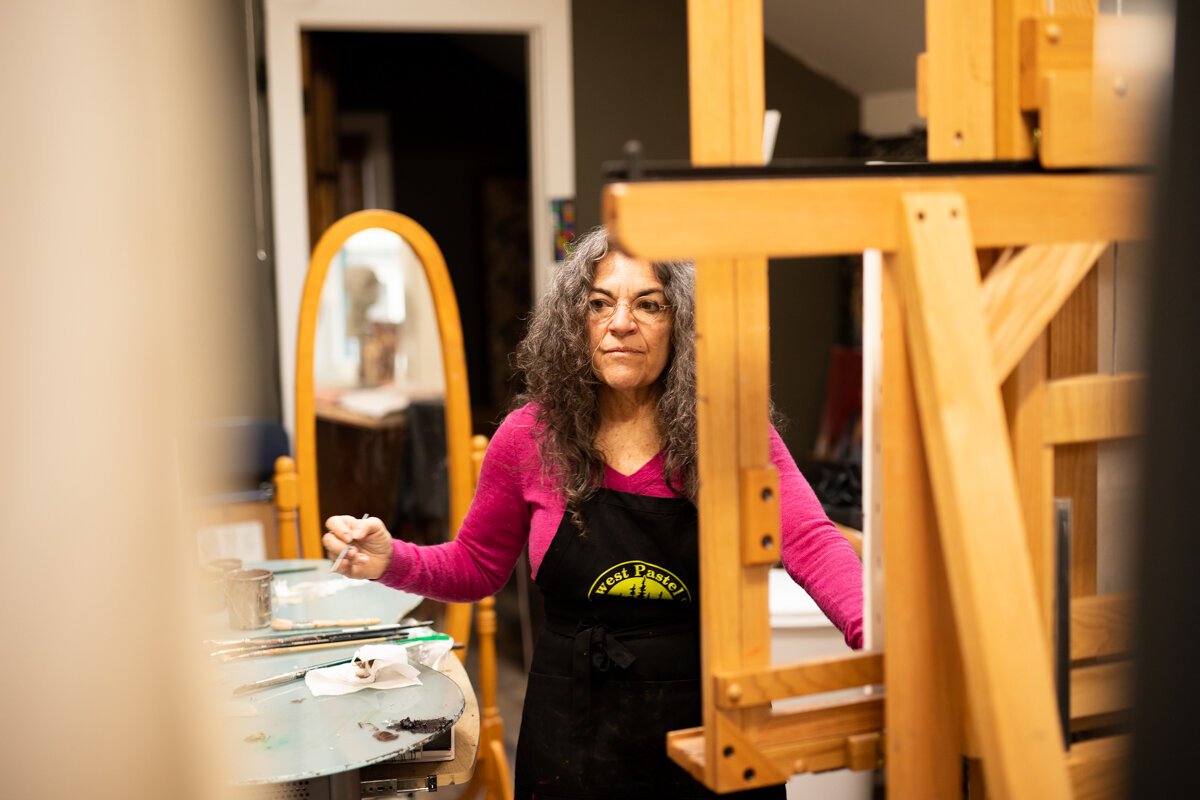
(644, 310)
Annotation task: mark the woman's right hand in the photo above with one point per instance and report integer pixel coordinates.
(369, 543)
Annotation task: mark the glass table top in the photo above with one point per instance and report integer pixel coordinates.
(284, 733)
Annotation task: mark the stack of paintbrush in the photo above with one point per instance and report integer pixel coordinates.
(273, 645)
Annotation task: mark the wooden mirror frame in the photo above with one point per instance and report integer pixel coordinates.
(296, 481)
(305, 540)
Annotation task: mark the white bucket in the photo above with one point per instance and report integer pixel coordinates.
(801, 631)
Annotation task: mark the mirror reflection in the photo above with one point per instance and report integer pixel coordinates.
(377, 340)
(379, 388)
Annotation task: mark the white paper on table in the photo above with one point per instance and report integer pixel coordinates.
(374, 403)
(386, 666)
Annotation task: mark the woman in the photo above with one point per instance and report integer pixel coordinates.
(596, 471)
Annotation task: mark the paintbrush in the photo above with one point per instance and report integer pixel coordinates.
(303, 648)
(287, 677)
(341, 555)
(283, 634)
(281, 651)
(289, 570)
(260, 642)
(300, 625)
(297, 674)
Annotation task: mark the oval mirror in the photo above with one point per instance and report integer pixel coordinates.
(382, 408)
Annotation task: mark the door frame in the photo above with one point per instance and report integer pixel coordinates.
(547, 26)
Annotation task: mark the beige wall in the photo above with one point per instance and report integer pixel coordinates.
(124, 156)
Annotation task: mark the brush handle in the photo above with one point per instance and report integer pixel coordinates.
(279, 651)
(296, 675)
(342, 554)
(287, 677)
(300, 625)
(312, 637)
(290, 570)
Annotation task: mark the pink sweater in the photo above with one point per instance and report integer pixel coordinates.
(514, 505)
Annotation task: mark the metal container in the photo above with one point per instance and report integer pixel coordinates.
(248, 598)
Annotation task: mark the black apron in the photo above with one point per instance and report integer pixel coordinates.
(617, 662)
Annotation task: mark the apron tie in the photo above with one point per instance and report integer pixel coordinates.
(594, 648)
(606, 650)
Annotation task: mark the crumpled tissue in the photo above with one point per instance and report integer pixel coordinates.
(375, 666)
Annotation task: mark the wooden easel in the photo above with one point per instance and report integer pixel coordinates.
(978, 402)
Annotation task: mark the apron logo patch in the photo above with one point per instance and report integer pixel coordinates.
(641, 580)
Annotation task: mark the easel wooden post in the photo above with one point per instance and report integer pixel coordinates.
(1009, 680)
(923, 705)
(929, 719)
(726, 93)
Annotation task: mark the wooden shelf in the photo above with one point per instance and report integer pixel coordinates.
(333, 412)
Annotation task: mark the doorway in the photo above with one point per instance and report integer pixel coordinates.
(546, 27)
(435, 126)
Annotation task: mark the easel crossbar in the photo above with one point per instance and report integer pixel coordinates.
(1098, 767)
(811, 739)
(761, 686)
(1091, 408)
(859, 752)
(1101, 625)
(836, 216)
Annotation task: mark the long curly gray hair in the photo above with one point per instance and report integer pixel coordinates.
(555, 360)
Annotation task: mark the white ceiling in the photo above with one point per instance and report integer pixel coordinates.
(867, 46)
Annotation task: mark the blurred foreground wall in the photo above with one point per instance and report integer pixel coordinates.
(124, 219)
